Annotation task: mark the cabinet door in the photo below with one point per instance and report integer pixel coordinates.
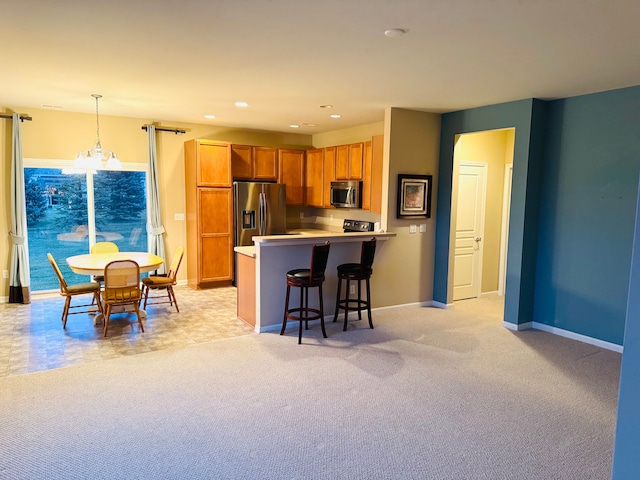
(265, 163)
(315, 178)
(291, 164)
(215, 231)
(241, 162)
(355, 161)
(329, 174)
(213, 164)
(342, 162)
(377, 152)
(366, 177)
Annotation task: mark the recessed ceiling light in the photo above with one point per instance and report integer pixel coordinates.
(335, 115)
(326, 106)
(304, 124)
(395, 32)
(209, 116)
(242, 104)
(294, 125)
(44, 105)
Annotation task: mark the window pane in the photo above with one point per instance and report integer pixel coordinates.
(121, 209)
(56, 223)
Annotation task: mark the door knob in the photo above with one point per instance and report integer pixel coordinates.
(478, 239)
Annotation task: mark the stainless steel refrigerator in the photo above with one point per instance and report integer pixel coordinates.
(259, 209)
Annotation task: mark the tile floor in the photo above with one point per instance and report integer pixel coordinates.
(32, 338)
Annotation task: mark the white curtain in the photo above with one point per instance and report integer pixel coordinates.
(19, 277)
(155, 229)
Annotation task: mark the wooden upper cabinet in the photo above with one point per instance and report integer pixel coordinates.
(242, 162)
(356, 153)
(329, 174)
(366, 177)
(342, 162)
(315, 178)
(209, 162)
(265, 163)
(291, 165)
(377, 153)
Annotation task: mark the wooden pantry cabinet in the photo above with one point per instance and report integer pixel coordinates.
(254, 162)
(314, 178)
(209, 210)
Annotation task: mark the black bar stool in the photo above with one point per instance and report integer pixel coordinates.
(357, 272)
(305, 278)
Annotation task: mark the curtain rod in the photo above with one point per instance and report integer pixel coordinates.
(23, 116)
(165, 129)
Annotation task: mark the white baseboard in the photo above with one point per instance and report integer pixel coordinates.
(441, 305)
(4, 299)
(563, 333)
(518, 327)
(576, 336)
(486, 294)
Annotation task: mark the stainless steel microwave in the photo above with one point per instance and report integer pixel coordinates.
(346, 194)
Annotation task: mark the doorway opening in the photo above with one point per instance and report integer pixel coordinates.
(481, 194)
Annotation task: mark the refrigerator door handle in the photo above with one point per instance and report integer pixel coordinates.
(262, 228)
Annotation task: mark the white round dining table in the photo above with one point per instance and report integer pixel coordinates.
(95, 263)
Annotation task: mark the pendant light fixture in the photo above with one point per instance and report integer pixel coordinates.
(95, 157)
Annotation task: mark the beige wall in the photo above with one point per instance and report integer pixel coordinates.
(60, 135)
(412, 143)
(495, 148)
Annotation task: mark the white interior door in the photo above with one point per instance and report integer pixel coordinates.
(467, 274)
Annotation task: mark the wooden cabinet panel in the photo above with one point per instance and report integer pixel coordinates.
(366, 177)
(242, 162)
(246, 283)
(216, 241)
(377, 153)
(329, 174)
(315, 178)
(342, 162)
(214, 208)
(291, 165)
(355, 161)
(215, 266)
(213, 167)
(265, 163)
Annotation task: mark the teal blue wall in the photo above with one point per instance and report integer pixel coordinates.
(527, 116)
(626, 461)
(587, 213)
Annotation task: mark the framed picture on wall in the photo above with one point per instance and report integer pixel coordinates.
(414, 196)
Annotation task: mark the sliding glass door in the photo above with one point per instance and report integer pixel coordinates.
(69, 212)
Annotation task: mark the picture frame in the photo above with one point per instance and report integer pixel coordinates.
(414, 196)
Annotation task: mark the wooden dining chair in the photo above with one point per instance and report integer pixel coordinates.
(158, 282)
(121, 287)
(69, 291)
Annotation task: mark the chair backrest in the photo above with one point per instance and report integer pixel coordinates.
(63, 283)
(122, 280)
(104, 247)
(367, 254)
(175, 263)
(319, 257)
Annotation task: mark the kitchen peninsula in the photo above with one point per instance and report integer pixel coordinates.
(273, 256)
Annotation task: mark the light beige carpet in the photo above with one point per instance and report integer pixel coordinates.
(427, 394)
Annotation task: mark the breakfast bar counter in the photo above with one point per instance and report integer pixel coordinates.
(275, 255)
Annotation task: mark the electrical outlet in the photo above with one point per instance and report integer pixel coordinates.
(178, 216)
(5, 274)
(301, 214)
(352, 289)
(423, 227)
(413, 228)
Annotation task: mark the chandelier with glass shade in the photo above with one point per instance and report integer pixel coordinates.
(97, 158)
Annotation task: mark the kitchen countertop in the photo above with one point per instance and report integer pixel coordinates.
(303, 236)
(249, 250)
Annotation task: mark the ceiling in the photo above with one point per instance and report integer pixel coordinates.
(177, 60)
